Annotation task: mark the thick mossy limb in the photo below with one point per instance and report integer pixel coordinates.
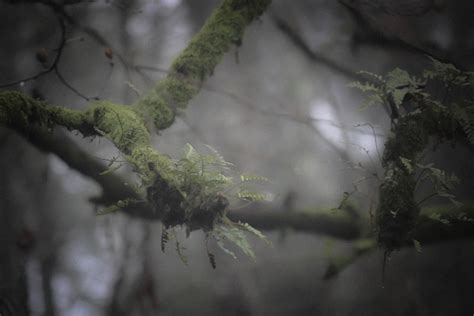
(120, 124)
(20, 111)
(398, 211)
(224, 28)
(126, 127)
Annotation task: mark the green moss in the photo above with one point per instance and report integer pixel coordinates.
(177, 91)
(126, 128)
(397, 210)
(410, 138)
(155, 108)
(148, 163)
(223, 29)
(21, 112)
(14, 109)
(122, 125)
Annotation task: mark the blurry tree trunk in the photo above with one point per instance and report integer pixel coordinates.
(48, 266)
(13, 284)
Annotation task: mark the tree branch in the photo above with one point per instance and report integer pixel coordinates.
(320, 59)
(263, 217)
(126, 126)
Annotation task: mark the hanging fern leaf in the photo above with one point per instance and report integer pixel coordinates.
(219, 159)
(407, 164)
(465, 117)
(252, 177)
(417, 245)
(164, 238)
(371, 74)
(212, 259)
(447, 73)
(237, 237)
(365, 86)
(250, 196)
(180, 249)
(221, 245)
(400, 83)
(254, 231)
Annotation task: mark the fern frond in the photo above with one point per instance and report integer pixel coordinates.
(219, 159)
(371, 74)
(254, 231)
(407, 164)
(465, 117)
(164, 238)
(252, 177)
(180, 249)
(237, 237)
(251, 196)
(364, 86)
(221, 245)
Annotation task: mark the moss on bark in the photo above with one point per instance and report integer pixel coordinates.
(224, 28)
(398, 211)
(126, 126)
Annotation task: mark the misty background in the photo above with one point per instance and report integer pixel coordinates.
(272, 109)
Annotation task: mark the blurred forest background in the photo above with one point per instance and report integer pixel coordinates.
(279, 106)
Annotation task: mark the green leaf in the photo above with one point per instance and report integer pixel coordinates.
(237, 237)
(437, 217)
(251, 196)
(252, 177)
(220, 243)
(254, 231)
(407, 164)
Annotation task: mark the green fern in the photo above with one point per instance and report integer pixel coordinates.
(465, 117)
(407, 164)
(395, 85)
(399, 83)
(200, 177)
(236, 236)
(448, 74)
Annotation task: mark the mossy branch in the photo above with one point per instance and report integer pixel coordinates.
(224, 28)
(398, 211)
(126, 127)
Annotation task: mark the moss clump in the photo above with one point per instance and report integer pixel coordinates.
(397, 210)
(177, 91)
(156, 108)
(21, 112)
(123, 126)
(148, 163)
(16, 109)
(410, 137)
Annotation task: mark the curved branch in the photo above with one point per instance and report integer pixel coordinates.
(197, 62)
(126, 126)
(54, 65)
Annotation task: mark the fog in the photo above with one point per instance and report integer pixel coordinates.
(273, 107)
